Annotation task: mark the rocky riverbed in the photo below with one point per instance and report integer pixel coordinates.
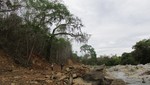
(131, 74)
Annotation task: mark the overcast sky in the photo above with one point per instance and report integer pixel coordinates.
(115, 25)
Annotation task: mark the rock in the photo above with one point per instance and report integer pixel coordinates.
(74, 76)
(53, 77)
(95, 77)
(100, 68)
(58, 83)
(64, 83)
(47, 76)
(118, 82)
(71, 67)
(109, 78)
(33, 82)
(17, 77)
(116, 69)
(143, 81)
(59, 74)
(132, 69)
(67, 69)
(49, 81)
(80, 81)
(12, 84)
(146, 73)
(70, 80)
(63, 77)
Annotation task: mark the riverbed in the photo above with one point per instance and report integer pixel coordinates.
(131, 74)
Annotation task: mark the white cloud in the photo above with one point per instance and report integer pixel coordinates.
(115, 25)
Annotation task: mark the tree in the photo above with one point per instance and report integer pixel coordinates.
(142, 51)
(56, 19)
(127, 58)
(62, 50)
(90, 53)
(103, 60)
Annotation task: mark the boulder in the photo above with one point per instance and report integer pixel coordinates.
(118, 82)
(80, 81)
(100, 68)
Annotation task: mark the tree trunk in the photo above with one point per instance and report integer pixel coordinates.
(49, 49)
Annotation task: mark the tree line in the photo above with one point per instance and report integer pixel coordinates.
(140, 55)
(38, 27)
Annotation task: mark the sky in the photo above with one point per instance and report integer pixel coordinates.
(115, 25)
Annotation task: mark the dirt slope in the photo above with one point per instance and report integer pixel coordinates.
(38, 74)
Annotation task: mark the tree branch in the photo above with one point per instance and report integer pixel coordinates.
(6, 10)
(14, 7)
(57, 28)
(65, 33)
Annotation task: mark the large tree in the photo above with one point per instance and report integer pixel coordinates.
(55, 19)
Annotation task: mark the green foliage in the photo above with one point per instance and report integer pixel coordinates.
(140, 55)
(39, 27)
(142, 51)
(54, 18)
(109, 61)
(127, 58)
(115, 60)
(62, 50)
(75, 57)
(102, 60)
(90, 54)
(20, 41)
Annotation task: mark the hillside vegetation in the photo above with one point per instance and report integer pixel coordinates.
(38, 28)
